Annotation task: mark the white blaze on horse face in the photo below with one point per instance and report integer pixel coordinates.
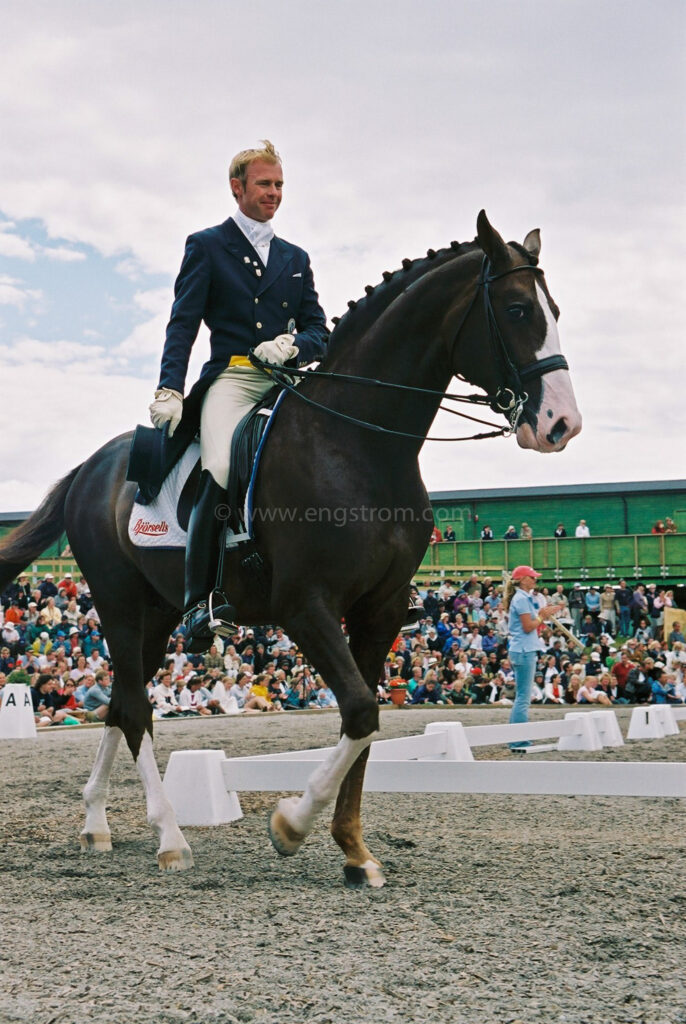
(559, 419)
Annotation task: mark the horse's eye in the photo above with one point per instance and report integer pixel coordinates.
(516, 311)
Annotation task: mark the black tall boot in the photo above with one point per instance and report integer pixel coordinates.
(202, 554)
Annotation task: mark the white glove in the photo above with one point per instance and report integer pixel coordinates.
(166, 408)
(278, 351)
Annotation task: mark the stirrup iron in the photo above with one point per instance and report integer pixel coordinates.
(217, 625)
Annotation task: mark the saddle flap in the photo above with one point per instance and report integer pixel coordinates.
(244, 447)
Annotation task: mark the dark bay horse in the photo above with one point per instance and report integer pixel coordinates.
(355, 517)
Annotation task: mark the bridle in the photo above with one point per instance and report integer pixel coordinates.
(510, 396)
(508, 400)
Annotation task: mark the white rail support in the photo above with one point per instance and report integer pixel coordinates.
(608, 728)
(665, 715)
(194, 785)
(652, 722)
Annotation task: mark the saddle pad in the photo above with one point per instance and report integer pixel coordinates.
(159, 524)
(163, 522)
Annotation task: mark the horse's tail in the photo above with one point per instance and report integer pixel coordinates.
(42, 528)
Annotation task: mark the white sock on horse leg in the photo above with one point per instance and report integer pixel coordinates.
(324, 783)
(97, 788)
(159, 809)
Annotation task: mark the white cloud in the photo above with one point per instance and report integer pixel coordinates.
(13, 292)
(65, 426)
(27, 352)
(13, 246)
(62, 254)
(146, 339)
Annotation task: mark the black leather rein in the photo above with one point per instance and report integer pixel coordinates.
(508, 400)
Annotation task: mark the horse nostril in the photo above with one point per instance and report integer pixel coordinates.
(558, 431)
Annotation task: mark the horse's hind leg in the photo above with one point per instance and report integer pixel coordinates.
(96, 830)
(174, 853)
(137, 648)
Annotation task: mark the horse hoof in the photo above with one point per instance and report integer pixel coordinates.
(175, 860)
(357, 876)
(285, 839)
(98, 842)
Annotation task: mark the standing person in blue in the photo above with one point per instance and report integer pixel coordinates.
(254, 291)
(525, 616)
(623, 595)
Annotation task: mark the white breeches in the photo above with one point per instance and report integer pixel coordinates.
(235, 391)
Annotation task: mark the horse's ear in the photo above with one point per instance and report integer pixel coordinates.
(489, 240)
(532, 242)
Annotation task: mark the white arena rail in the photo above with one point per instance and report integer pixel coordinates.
(203, 784)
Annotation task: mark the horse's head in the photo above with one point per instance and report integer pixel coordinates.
(525, 371)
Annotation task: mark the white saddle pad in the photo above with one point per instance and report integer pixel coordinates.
(157, 525)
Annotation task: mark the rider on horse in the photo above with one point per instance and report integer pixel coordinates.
(254, 291)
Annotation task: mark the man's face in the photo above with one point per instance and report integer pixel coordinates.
(260, 197)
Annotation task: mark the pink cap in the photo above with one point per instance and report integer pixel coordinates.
(524, 570)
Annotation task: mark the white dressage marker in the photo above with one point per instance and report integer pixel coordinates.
(16, 713)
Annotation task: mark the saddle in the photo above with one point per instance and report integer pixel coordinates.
(167, 469)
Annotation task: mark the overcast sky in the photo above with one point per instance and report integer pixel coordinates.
(397, 121)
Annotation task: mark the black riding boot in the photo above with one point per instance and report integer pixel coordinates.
(202, 554)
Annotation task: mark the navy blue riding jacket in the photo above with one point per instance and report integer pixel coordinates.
(224, 282)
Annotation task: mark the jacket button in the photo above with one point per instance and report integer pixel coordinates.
(258, 324)
(256, 301)
(284, 304)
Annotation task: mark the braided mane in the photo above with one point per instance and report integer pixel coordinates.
(364, 311)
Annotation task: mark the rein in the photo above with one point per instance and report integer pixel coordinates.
(508, 400)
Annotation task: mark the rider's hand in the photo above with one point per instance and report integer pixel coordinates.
(278, 351)
(166, 408)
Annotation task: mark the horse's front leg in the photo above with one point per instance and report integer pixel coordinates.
(96, 834)
(320, 636)
(294, 817)
(174, 853)
(370, 639)
(361, 868)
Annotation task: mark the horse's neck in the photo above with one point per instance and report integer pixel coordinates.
(407, 346)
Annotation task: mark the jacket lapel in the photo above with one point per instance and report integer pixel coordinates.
(237, 244)
(279, 258)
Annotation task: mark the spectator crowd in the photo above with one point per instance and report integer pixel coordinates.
(455, 653)
(525, 532)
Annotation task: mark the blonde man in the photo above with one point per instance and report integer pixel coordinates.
(254, 291)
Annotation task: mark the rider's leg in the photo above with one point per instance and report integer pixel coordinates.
(202, 552)
(227, 401)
